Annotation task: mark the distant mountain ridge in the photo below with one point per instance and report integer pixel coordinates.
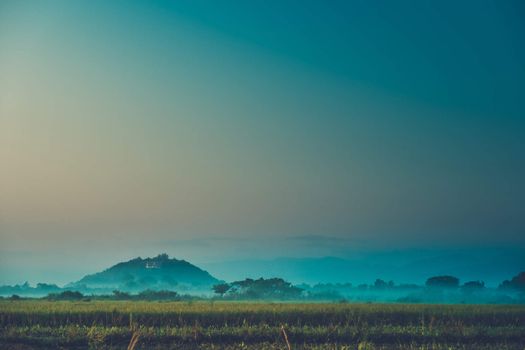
(489, 265)
(156, 273)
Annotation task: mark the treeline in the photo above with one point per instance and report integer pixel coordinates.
(146, 295)
(267, 289)
(437, 289)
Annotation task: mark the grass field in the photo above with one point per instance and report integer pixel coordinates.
(35, 324)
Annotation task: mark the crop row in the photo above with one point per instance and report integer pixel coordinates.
(154, 314)
(257, 334)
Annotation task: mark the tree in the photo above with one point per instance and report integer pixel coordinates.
(443, 282)
(473, 285)
(65, 295)
(272, 288)
(221, 288)
(517, 282)
(380, 284)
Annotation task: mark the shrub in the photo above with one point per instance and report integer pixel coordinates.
(443, 282)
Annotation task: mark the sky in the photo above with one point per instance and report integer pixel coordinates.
(217, 131)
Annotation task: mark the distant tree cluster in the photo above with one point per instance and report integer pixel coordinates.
(380, 284)
(27, 289)
(65, 295)
(272, 288)
(473, 285)
(146, 295)
(442, 282)
(516, 283)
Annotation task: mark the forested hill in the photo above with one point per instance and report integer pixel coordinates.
(159, 272)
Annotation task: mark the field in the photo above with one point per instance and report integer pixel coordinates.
(35, 324)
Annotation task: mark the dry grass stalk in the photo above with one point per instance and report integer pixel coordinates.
(134, 340)
(283, 331)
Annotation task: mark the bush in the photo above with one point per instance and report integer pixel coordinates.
(221, 288)
(443, 282)
(66, 295)
(474, 285)
(271, 288)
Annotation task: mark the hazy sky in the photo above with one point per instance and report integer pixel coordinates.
(133, 127)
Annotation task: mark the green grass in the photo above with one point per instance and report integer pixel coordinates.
(34, 324)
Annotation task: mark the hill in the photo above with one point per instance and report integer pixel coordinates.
(156, 273)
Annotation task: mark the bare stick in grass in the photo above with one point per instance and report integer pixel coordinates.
(133, 341)
(283, 331)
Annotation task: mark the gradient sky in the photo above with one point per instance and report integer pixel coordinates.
(133, 127)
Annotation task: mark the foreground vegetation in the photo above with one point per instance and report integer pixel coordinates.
(37, 324)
